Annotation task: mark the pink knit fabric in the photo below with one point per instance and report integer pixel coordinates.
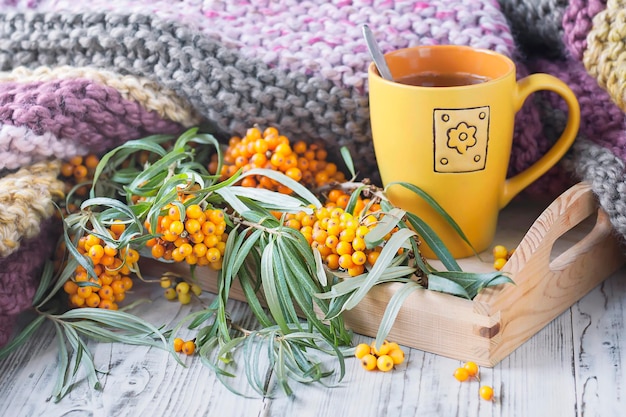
(577, 22)
(20, 146)
(90, 114)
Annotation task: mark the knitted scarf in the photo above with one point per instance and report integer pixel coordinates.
(80, 77)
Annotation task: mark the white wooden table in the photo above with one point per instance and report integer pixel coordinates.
(575, 366)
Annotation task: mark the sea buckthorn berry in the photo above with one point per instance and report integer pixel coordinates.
(106, 293)
(382, 350)
(178, 344)
(118, 287)
(128, 282)
(345, 261)
(486, 393)
(384, 363)
(182, 287)
(461, 374)
(96, 252)
(368, 362)
(359, 257)
(70, 287)
(91, 161)
(117, 227)
(356, 270)
(500, 251)
(397, 355)
(93, 300)
(184, 298)
(499, 263)
(196, 289)
(170, 294)
(332, 261)
(176, 227)
(85, 291)
(107, 305)
(213, 255)
(361, 350)
(472, 369)
(372, 257)
(77, 300)
(165, 282)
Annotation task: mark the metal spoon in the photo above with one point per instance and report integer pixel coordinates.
(376, 54)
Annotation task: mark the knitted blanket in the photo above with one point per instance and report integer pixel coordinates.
(81, 77)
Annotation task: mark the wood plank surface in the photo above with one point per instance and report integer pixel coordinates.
(572, 367)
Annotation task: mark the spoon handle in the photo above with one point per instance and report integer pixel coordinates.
(377, 55)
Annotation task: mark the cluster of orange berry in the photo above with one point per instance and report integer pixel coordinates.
(500, 256)
(112, 268)
(78, 170)
(338, 235)
(196, 236)
(384, 358)
(302, 162)
(187, 347)
(178, 289)
(471, 370)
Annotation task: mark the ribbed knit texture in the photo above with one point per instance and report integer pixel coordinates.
(605, 56)
(82, 110)
(25, 201)
(150, 95)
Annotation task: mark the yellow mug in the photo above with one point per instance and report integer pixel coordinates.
(445, 125)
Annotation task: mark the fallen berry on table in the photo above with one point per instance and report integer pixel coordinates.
(397, 355)
(368, 362)
(384, 363)
(189, 347)
(461, 374)
(178, 344)
(486, 393)
(361, 350)
(472, 369)
(499, 263)
(500, 251)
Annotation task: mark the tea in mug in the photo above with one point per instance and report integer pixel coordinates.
(435, 79)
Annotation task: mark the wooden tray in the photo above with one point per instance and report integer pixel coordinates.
(568, 250)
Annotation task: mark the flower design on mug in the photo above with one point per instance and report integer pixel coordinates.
(462, 137)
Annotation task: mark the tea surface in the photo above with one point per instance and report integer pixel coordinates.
(430, 79)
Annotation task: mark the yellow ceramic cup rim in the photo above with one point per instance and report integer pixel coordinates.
(445, 59)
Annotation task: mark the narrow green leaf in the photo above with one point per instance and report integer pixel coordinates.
(347, 159)
(428, 235)
(435, 205)
(22, 337)
(295, 186)
(63, 356)
(392, 310)
(385, 225)
(268, 278)
(386, 256)
(437, 283)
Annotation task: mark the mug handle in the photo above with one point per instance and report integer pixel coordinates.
(525, 87)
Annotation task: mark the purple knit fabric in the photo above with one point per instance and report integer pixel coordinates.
(602, 121)
(92, 115)
(577, 22)
(19, 272)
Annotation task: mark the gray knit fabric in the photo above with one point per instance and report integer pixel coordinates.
(231, 91)
(536, 25)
